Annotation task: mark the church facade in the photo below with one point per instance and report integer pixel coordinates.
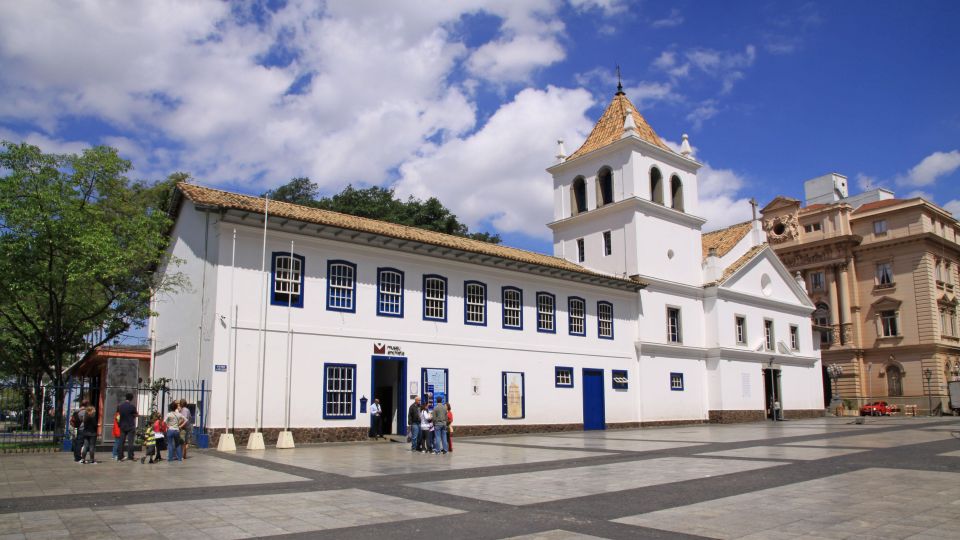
(300, 317)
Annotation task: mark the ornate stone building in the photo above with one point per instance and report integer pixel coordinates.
(882, 273)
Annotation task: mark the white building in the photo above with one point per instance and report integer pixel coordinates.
(638, 319)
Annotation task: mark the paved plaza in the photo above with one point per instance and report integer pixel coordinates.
(821, 478)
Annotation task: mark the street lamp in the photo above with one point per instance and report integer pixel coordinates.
(834, 371)
(928, 374)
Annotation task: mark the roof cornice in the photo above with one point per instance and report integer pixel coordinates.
(647, 148)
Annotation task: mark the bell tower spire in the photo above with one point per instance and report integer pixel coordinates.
(619, 82)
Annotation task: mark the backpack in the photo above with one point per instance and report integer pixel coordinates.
(75, 419)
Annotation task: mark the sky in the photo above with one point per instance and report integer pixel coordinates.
(465, 100)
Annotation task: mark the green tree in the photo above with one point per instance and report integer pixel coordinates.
(79, 243)
(383, 204)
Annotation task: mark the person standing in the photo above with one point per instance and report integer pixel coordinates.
(174, 421)
(128, 425)
(376, 428)
(89, 436)
(440, 427)
(186, 433)
(426, 429)
(449, 427)
(413, 423)
(115, 432)
(76, 422)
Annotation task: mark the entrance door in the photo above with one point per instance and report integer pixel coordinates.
(594, 414)
(771, 391)
(388, 385)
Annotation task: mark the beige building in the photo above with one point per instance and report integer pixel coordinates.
(882, 273)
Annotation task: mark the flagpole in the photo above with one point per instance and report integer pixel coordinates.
(256, 438)
(227, 442)
(285, 438)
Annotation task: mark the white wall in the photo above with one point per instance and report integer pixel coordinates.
(660, 402)
(467, 351)
(178, 322)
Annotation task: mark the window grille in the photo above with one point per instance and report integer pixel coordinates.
(577, 311)
(564, 377)
(390, 293)
(794, 338)
(673, 325)
(339, 391)
(435, 298)
(768, 336)
(341, 286)
(287, 280)
(512, 308)
(476, 297)
(545, 312)
(619, 379)
(741, 330)
(605, 320)
(676, 381)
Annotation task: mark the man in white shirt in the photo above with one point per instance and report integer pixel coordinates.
(376, 430)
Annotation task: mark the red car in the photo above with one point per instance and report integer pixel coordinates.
(877, 408)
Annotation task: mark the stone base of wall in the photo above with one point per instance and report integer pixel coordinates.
(798, 414)
(510, 429)
(736, 417)
(668, 423)
(300, 435)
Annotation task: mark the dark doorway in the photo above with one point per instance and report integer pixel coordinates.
(389, 381)
(827, 388)
(594, 413)
(771, 391)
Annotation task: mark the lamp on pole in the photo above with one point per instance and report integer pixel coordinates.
(928, 374)
(834, 371)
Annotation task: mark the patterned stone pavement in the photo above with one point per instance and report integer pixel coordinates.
(822, 478)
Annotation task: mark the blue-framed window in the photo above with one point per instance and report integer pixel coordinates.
(604, 320)
(563, 377)
(676, 382)
(620, 379)
(286, 279)
(546, 313)
(514, 401)
(434, 298)
(474, 303)
(339, 391)
(341, 286)
(389, 292)
(577, 316)
(512, 302)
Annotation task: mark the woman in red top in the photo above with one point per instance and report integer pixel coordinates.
(449, 428)
(160, 434)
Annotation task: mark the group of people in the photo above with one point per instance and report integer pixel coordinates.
(431, 430)
(171, 432)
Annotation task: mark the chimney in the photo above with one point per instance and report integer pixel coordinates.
(711, 266)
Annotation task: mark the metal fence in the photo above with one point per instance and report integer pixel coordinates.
(29, 422)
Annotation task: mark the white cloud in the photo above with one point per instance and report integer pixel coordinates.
(513, 60)
(646, 93)
(931, 168)
(726, 66)
(953, 207)
(670, 21)
(609, 7)
(865, 183)
(703, 112)
(496, 175)
(721, 202)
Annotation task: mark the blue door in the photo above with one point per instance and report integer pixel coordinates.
(594, 415)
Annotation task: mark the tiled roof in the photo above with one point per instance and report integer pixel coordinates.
(877, 204)
(741, 262)
(610, 127)
(814, 207)
(724, 239)
(224, 199)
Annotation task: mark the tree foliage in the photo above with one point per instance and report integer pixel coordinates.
(79, 243)
(380, 203)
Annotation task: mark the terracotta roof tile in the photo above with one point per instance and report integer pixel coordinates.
(813, 207)
(609, 127)
(724, 239)
(877, 204)
(225, 199)
(741, 262)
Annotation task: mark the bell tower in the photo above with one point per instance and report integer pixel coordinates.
(625, 203)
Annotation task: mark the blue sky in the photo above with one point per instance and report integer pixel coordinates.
(465, 100)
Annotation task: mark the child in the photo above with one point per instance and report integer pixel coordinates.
(149, 441)
(159, 434)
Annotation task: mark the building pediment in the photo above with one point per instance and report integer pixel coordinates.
(885, 302)
(780, 202)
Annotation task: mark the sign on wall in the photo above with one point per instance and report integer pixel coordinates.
(386, 349)
(221, 368)
(513, 394)
(434, 385)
